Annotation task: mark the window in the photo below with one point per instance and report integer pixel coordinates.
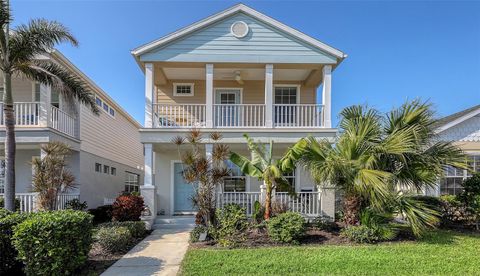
(290, 179)
(285, 95)
(98, 167)
(55, 100)
(131, 182)
(36, 92)
(236, 182)
(112, 112)
(105, 107)
(451, 184)
(285, 110)
(106, 169)
(99, 101)
(183, 89)
(113, 171)
(2, 176)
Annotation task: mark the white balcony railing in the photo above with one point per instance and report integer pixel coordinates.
(26, 114)
(297, 115)
(239, 115)
(62, 121)
(28, 201)
(179, 115)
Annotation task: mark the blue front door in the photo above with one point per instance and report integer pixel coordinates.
(182, 191)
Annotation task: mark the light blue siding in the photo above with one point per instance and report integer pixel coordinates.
(215, 43)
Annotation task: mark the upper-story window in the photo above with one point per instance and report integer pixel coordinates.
(183, 89)
(104, 106)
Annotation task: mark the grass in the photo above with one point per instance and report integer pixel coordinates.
(439, 252)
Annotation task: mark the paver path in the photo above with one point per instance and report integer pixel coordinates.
(158, 254)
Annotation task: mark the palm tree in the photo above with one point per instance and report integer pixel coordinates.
(264, 167)
(19, 52)
(377, 160)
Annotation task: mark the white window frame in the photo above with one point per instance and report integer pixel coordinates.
(128, 182)
(95, 167)
(465, 175)
(103, 103)
(192, 89)
(279, 85)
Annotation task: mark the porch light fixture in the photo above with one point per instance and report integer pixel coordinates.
(239, 29)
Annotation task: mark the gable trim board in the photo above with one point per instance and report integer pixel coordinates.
(237, 9)
(457, 121)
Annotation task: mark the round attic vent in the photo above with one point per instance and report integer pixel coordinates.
(239, 29)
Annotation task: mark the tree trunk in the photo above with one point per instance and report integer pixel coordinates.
(10, 143)
(268, 200)
(351, 209)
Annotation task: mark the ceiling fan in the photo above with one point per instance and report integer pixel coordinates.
(236, 75)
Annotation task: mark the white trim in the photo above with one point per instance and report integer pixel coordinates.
(298, 86)
(192, 89)
(172, 185)
(239, 35)
(235, 9)
(458, 120)
(227, 88)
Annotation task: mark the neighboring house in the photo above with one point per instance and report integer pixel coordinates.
(107, 154)
(463, 128)
(238, 71)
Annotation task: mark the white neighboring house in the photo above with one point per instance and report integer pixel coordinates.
(107, 154)
(463, 128)
(237, 71)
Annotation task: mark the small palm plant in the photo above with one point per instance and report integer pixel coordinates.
(264, 167)
(378, 160)
(20, 49)
(50, 174)
(205, 172)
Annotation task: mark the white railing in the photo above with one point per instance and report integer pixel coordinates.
(62, 121)
(297, 115)
(28, 201)
(179, 115)
(26, 113)
(306, 203)
(239, 115)
(244, 199)
(108, 201)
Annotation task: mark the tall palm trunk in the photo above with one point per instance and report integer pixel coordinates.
(10, 143)
(351, 209)
(268, 200)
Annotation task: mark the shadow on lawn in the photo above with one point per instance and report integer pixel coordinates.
(447, 237)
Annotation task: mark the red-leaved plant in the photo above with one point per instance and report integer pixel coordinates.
(127, 208)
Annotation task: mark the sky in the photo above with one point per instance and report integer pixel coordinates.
(397, 50)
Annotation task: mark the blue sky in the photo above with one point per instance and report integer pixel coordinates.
(397, 50)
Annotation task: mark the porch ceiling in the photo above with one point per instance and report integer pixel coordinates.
(230, 73)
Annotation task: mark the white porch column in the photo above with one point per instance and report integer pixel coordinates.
(45, 105)
(148, 190)
(269, 95)
(327, 96)
(209, 95)
(149, 91)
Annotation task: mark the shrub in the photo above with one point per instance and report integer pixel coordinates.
(288, 227)
(127, 208)
(195, 233)
(8, 263)
(380, 223)
(136, 228)
(325, 224)
(360, 234)
(258, 211)
(54, 243)
(231, 225)
(433, 202)
(453, 211)
(17, 203)
(76, 204)
(113, 239)
(470, 198)
(101, 213)
(279, 207)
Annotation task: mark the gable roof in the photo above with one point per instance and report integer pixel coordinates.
(137, 52)
(456, 118)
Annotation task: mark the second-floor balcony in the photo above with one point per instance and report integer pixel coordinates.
(35, 114)
(238, 115)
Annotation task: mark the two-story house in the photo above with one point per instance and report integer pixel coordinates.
(107, 155)
(237, 71)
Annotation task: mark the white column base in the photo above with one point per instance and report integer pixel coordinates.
(149, 194)
(328, 202)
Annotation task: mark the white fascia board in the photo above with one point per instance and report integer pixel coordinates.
(237, 8)
(457, 121)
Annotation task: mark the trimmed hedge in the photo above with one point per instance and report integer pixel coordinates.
(101, 213)
(8, 253)
(231, 225)
(54, 243)
(361, 234)
(113, 239)
(288, 227)
(136, 228)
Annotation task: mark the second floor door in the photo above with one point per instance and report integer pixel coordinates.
(227, 107)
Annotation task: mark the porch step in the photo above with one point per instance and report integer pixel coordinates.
(174, 222)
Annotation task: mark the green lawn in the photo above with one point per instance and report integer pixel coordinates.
(441, 252)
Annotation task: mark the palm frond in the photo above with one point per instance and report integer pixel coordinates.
(419, 216)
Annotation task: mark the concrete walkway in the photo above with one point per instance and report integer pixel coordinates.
(158, 254)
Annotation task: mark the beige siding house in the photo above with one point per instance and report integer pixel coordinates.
(237, 71)
(107, 154)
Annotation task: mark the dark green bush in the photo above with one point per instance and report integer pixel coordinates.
(454, 212)
(325, 224)
(113, 239)
(8, 253)
(288, 227)
(17, 203)
(361, 234)
(231, 225)
(76, 204)
(195, 233)
(54, 243)
(101, 214)
(136, 228)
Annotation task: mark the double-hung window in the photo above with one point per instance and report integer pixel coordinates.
(132, 182)
(285, 109)
(236, 182)
(452, 182)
